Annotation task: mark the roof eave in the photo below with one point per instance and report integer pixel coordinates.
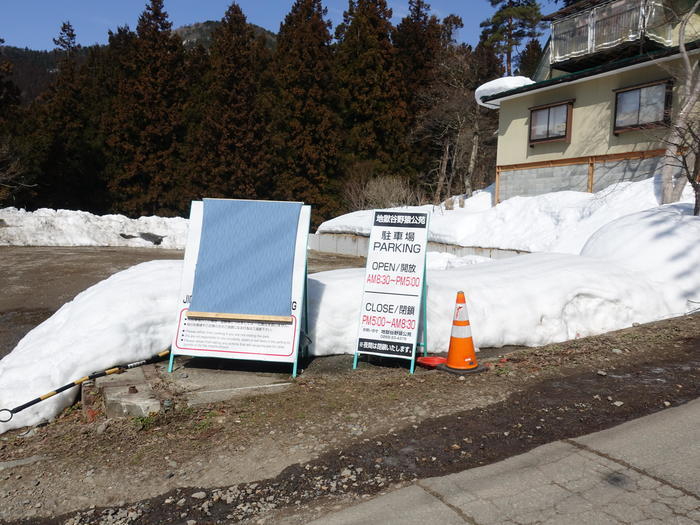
(594, 71)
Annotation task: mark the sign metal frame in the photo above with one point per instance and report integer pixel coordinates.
(254, 339)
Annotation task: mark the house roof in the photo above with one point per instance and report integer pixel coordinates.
(592, 71)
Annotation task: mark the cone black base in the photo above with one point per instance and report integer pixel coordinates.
(460, 371)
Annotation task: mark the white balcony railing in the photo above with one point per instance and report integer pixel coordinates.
(607, 26)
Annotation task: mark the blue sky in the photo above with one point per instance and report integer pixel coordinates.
(34, 23)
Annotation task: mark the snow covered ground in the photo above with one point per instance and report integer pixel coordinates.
(79, 228)
(626, 260)
(553, 222)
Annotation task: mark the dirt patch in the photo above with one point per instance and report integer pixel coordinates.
(337, 434)
(37, 281)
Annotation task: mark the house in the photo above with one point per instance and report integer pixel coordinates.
(601, 100)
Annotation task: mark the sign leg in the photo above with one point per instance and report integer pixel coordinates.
(425, 314)
(171, 362)
(354, 362)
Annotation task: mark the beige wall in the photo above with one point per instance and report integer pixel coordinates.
(592, 121)
(692, 30)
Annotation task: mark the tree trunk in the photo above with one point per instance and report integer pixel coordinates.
(672, 187)
(695, 182)
(672, 178)
(472, 157)
(442, 171)
(509, 48)
(456, 152)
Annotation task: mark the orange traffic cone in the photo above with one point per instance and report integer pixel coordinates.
(461, 358)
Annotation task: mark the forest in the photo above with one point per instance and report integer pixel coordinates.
(368, 115)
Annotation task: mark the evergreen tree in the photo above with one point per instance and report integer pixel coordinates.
(371, 105)
(9, 93)
(530, 58)
(228, 151)
(305, 121)
(12, 176)
(197, 68)
(514, 21)
(419, 41)
(145, 126)
(65, 161)
(487, 64)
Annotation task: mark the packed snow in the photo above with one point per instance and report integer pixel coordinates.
(554, 222)
(46, 227)
(125, 318)
(629, 261)
(498, 86)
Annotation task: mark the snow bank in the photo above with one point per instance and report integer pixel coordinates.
(663, 244)
(46, 227)
(360, 222)
(637, 268)
(498, 86)
(554, 222)
(528, 300)
(447, 261)
(641, 267)
(122, 319)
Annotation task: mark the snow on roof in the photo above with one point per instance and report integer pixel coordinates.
(497, 86)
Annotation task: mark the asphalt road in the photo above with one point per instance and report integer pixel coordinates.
(37, 281)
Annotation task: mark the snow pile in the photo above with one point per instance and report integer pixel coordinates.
(663, 244)
(528, 300)
(447, 261)
(498, 86)
(125, 318)
(553, 222)
(46, 227)
(639, 268)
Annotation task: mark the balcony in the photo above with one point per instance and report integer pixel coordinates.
(610, 29)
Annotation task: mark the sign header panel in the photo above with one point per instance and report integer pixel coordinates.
(393, 284)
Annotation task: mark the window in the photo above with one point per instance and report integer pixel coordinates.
(644, 106)
(551, 122)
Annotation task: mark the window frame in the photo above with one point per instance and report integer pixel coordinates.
(668, 104)
(566, 137)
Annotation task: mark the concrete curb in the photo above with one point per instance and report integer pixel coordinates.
(647, 470)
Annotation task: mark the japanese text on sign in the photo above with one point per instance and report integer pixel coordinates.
(393, 284)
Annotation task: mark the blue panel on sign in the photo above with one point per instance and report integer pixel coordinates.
(246, 257)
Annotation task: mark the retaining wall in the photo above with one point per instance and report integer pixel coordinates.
(349, 244)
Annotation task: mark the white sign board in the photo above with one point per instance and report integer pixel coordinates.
(228, 339)
(393, 284)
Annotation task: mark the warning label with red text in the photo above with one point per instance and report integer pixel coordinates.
(393, 284)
